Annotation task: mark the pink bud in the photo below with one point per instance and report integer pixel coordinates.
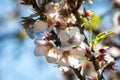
(88, 12)
(102, 51)
(47, 37)
(58, 24)
(100, 57)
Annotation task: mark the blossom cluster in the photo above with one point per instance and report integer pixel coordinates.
(64, 42)
(68, 52)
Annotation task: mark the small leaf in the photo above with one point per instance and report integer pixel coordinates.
(102, 35)
(93, 24)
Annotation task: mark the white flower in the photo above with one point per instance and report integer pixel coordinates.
(71, 19)
(100, 49)
(63, 35)
(47, 49)
(70, 37)
(52, 10)
(40, 26)
(103, 52)
(52, 56)
(69, 57)
(74, 32)
(115, 52)
(66, 19)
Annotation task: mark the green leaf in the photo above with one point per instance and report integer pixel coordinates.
(92, 24)
(102, 35)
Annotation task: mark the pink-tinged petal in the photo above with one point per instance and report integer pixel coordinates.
(116, 18)
(103, 51)
(62, 63)
(63, 35)
(42, 47)
(65, 49)
(40, 42)
(51, 10)
(51, 56)
(100, 58)
(76, 33)
(51, 59)
(44, 43)
(39, 51)
(74, 62)
(73, 31)
(78, 52)
(40, 26)
(108, 58)
(115, 52)
(84, 45)
(69, 57)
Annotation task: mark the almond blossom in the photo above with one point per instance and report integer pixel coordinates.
(65, 56)
(103, 54)
(69, 56)
(70, 36)
(47, 49)
(64, 42)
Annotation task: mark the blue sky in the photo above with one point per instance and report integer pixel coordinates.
(17, 61)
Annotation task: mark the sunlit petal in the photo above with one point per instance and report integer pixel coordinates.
(40, 26)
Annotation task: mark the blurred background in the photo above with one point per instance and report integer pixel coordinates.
(17, 60)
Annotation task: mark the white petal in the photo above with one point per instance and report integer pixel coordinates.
(116, 18)
(42, 47)
(40, 26)
(73, 31)
(83, 45)
(65, 69)
(44, 43)
(62, 63)
(74, 62)
(51, 56)
(51, 59)
(115, 52)
(78, 52)
(39, 51)
(76, 33)
(50, 9)
(108, 58)
(63, 35)
(65, 49)
(41, 42)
